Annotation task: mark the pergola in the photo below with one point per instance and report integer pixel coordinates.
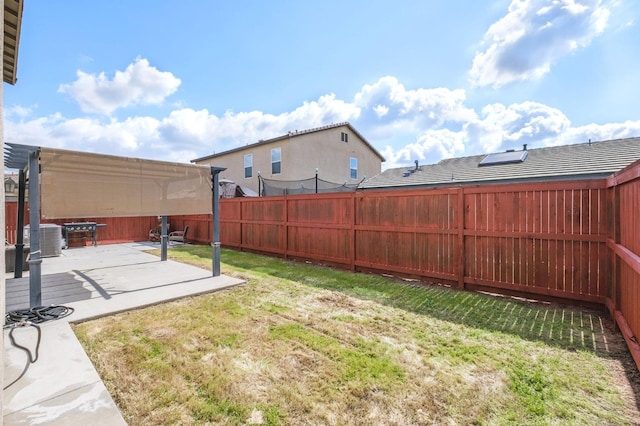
(73, 184)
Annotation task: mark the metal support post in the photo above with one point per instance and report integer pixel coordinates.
(164, 238)
(17, 272)
(35, 262)
(215, 209)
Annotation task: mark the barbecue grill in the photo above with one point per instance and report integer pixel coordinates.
(81, 228)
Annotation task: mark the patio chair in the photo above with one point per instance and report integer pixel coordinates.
(179, 236)
(155, 234)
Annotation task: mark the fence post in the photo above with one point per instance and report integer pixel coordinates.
(615, 234)
(354, 245)
(285, 213)
(460, 243)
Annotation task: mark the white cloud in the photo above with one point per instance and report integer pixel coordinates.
(181, 136)
(404, 124)
(595, 132)
(532, 36)
(18, 111)
(390, 113)
(420, 106)
(139, 83)
(496, 128)
(503, 127)
(440, 143)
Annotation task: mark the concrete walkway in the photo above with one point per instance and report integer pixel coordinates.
(62, 386)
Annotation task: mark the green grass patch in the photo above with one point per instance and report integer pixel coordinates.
(362, 366)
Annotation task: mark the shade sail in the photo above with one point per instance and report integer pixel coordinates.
(80, 184)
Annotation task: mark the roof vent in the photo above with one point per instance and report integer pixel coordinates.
(508, 157)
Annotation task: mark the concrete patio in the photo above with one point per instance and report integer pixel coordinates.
(62, 386)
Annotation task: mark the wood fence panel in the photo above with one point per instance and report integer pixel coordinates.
(257, 210)
(630, 216)
(409, 232)
(543, 238)
(265, 237)
(117, 229)
(230, 219)
(630, 296)
(230, 233)
(623, 263)
(319, 225)
(629, 285)
(317, 242)
(10, 221)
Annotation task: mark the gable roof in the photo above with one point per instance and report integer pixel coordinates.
(11, 26)
(579, 161)
(293, 135)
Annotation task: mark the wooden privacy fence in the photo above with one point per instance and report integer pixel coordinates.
(544, 239)
(623, 301)
(118, 229)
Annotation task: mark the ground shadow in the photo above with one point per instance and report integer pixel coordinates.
(57, 289)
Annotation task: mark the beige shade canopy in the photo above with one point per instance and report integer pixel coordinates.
(80, 184)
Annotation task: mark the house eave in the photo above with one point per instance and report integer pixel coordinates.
(12, 27)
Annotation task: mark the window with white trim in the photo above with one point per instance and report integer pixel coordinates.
(248, 166)
(344, 137)
(353, 166)
(276, 161)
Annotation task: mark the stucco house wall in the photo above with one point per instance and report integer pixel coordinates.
(328, 149)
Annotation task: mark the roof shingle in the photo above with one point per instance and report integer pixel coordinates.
(578, 161)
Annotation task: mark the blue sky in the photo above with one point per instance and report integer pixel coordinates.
(425, 80)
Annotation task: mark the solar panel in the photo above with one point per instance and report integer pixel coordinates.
(504, 158)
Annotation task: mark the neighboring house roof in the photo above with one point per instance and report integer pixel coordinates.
(579, 161)
(12, 25)
(292, 135)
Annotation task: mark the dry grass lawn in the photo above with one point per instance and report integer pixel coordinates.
(300, 344)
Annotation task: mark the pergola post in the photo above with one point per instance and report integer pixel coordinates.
(35, 262)
(17, 271)
(215, 208)
(164, 238)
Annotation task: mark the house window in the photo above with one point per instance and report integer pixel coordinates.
(344, 137)
(248, 166)
(353, 165)
(276, 161)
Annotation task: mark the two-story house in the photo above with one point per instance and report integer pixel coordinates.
(338, 152)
